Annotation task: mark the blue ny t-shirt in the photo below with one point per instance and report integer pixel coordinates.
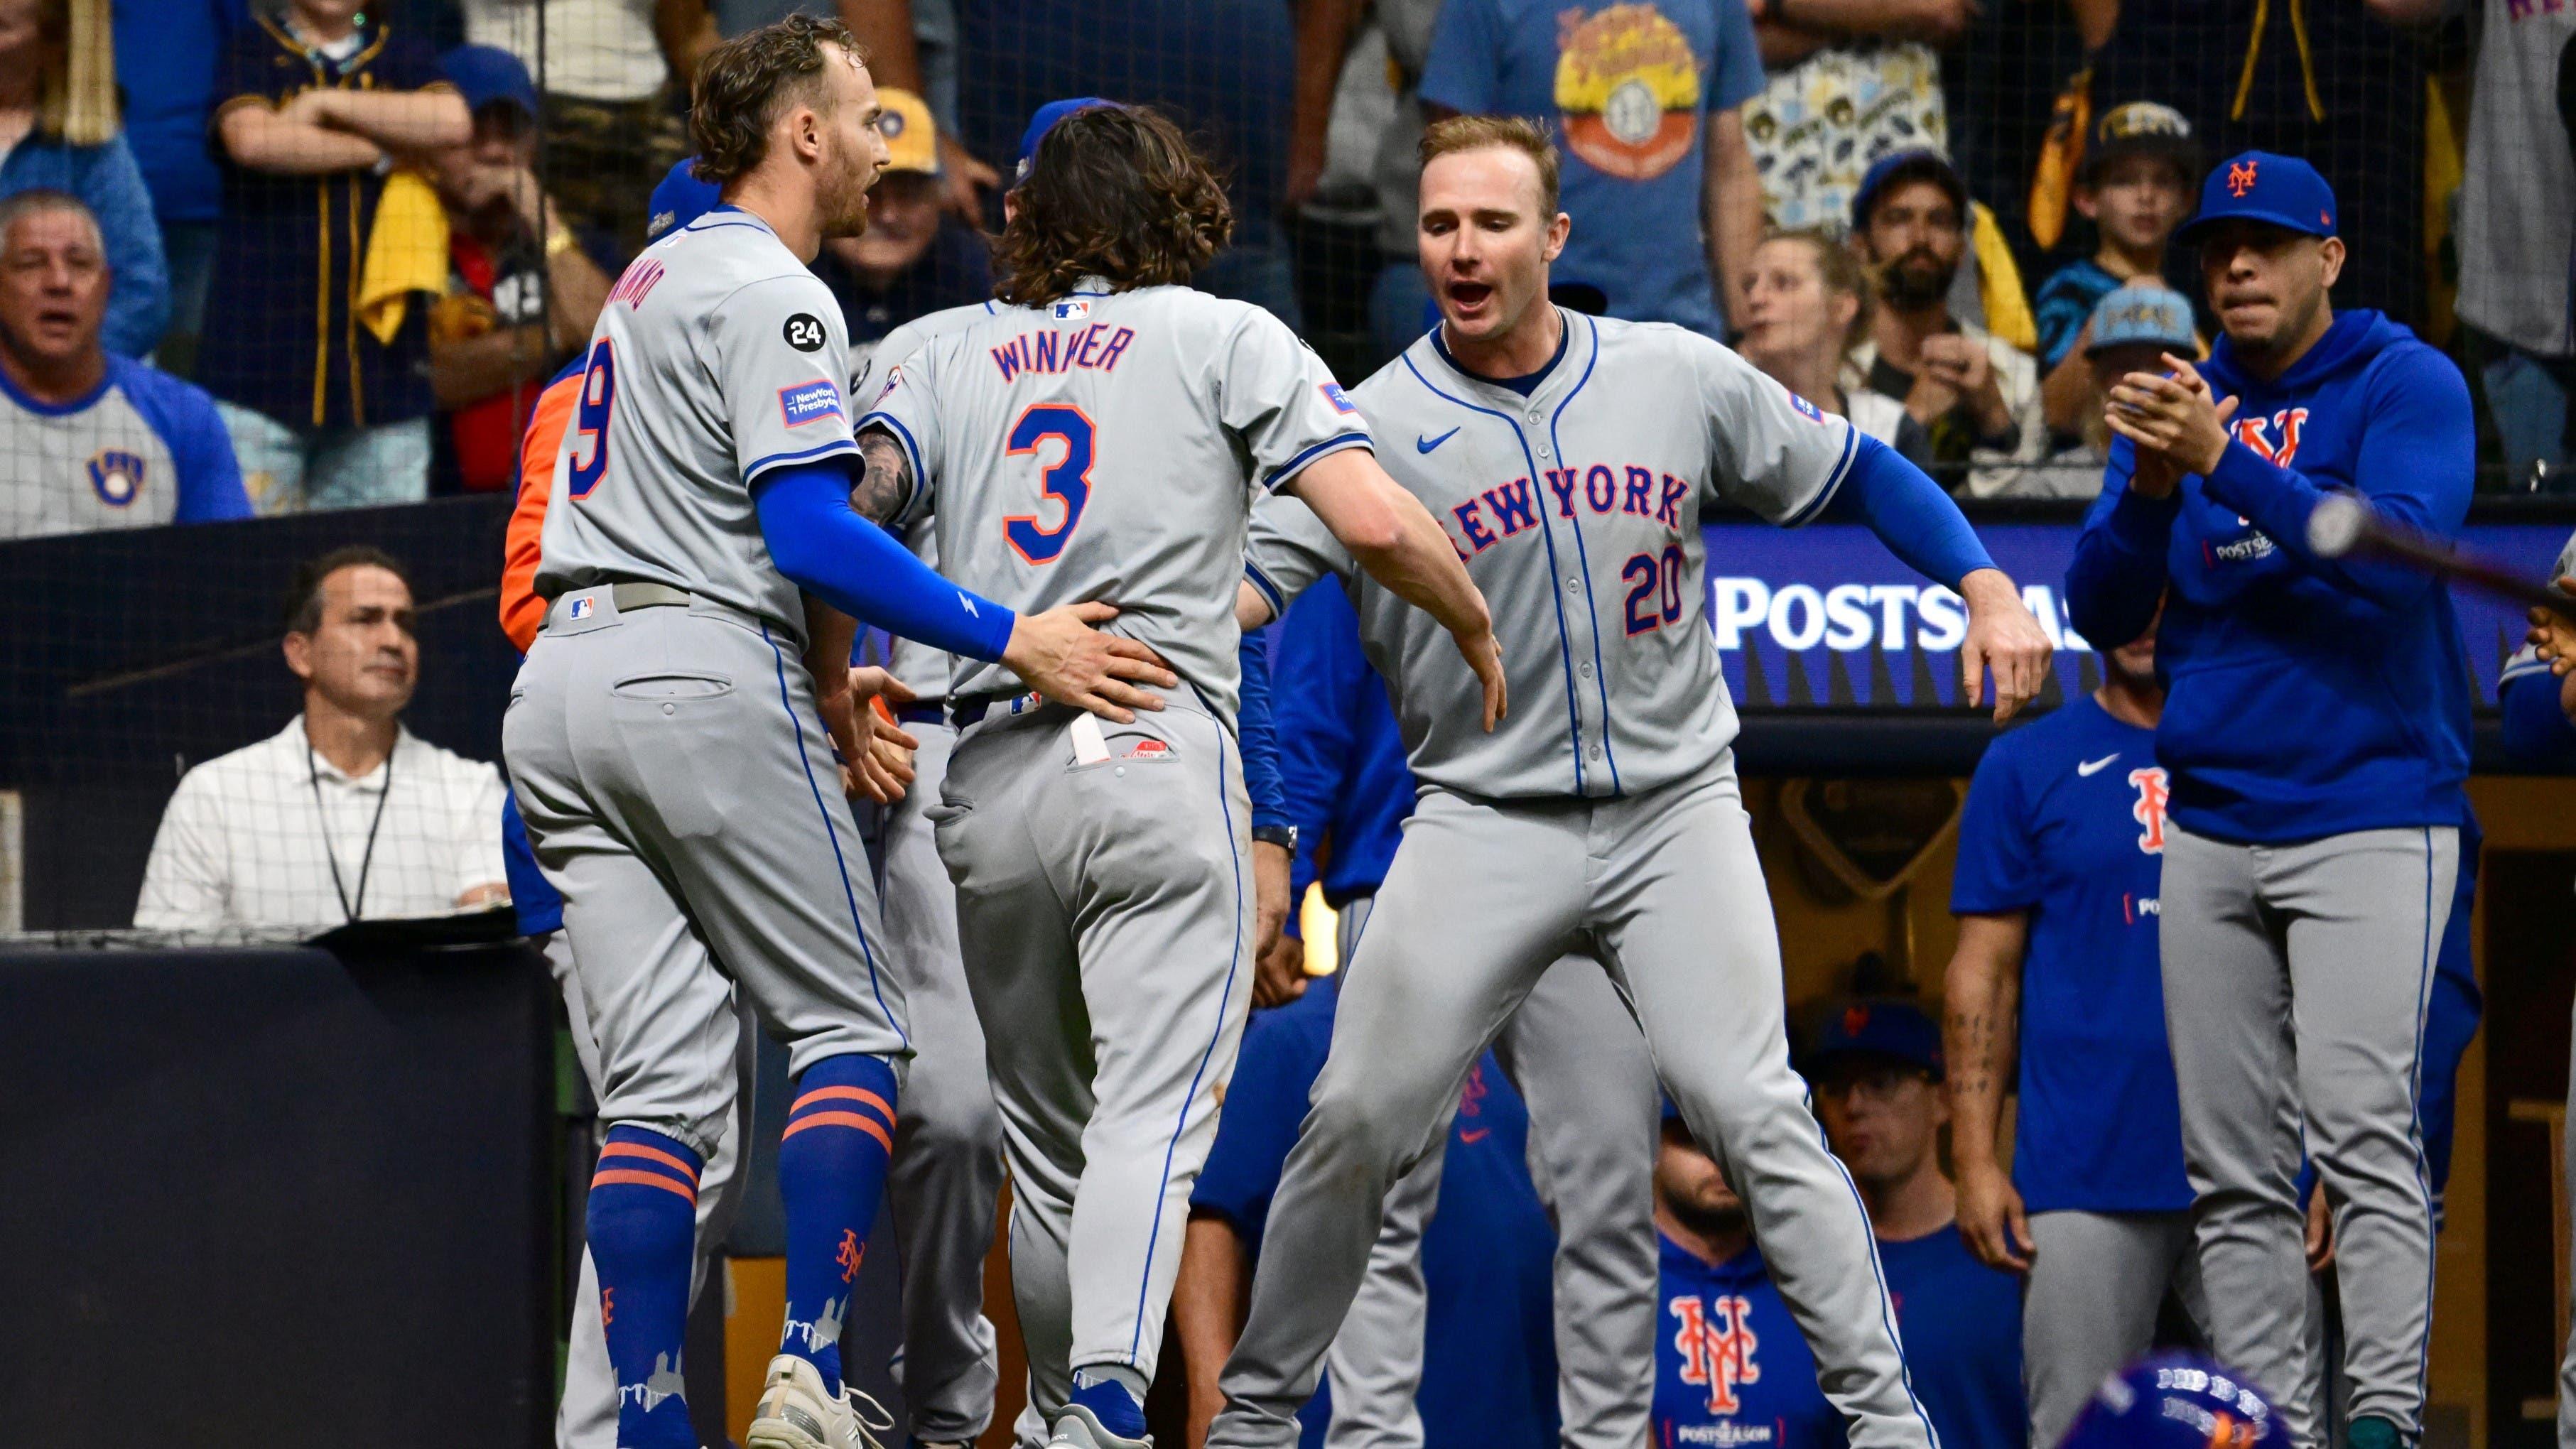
(1731, 1367)
(1630, 87)
(2065, 820)
(1488, 1335)
(1961, 1322)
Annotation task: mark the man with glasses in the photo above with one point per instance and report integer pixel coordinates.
(1875, 1068)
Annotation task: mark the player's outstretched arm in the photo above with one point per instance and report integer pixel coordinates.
(1921, 525)
(1980, 1023)
(1390, 534)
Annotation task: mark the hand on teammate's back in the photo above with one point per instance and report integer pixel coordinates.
(1062, 656)
(2003, 638)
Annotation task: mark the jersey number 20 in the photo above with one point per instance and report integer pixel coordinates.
(1067, 479)
(589, 457)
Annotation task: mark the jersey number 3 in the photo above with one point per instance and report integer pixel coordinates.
(1066, 480)
(589, 456)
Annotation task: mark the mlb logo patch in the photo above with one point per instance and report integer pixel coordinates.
(809, 402)
(1806, 408)
(581, 609)
(1340, 400)
(1072, 309)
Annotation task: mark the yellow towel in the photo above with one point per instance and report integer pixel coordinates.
(2008, 313)
(406, 253)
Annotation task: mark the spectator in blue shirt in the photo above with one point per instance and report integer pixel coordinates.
(59, 128)
(166, 57)
(1876, 1068)
(1732, 1371)
(1488, 1348)
(324, 383)
(1648, 101)
(93, 440)
(2135, 186)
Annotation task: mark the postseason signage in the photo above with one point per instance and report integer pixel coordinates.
(1824, 617)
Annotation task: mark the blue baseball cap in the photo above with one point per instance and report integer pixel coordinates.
(1042, 121)
(2142, 312)
(2276, 190)
(486, 74)
(2176, 1401)
(678, 199)
(1883, 1027)
(1919, 163)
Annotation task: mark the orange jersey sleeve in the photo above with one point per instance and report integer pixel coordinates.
(522, 612)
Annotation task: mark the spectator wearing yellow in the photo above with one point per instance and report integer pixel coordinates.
(93, 440)
(323, 116)
(344, 814)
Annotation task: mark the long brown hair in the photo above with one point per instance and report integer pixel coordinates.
(1841, 272)
(1115, 192)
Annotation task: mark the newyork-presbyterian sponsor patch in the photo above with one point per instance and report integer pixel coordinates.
(809, 402)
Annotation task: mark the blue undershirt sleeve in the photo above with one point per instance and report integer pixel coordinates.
(1909, 513)
(1259, 739)
(822, 544)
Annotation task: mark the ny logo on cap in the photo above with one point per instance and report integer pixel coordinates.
(2240, 177)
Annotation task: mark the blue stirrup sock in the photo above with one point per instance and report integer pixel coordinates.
(643, 1221)
(831, 1173)
(1115, 1395)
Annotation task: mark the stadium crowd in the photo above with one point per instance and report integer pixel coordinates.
(371, 233)
(266, 258)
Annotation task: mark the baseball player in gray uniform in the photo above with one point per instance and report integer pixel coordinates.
(1108, 442)
(675, 772)
(1569, 459)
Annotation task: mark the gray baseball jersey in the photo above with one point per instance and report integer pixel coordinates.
(1576, 507)
(922, 669)
(1577, 511)
(717, 358)
(1109, 447)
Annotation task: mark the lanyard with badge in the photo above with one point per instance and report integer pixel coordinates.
(330, 851)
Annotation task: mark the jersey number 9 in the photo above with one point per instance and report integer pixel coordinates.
(589, 457)
(1067, 480)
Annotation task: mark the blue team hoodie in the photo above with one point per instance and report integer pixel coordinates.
(2306, 697)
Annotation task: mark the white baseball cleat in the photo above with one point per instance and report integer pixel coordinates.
(1078, 1428)
(795, 1413)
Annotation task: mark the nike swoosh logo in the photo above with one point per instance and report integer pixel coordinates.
(1475, 1134)
(2094, 767)
(1425, 445)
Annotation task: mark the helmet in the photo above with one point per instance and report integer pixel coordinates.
(2176, 1401)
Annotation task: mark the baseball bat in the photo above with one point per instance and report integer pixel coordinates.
(2344, 526)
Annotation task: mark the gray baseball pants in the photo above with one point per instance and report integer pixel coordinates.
(682, 795)
(1574, 1053)
(1665, 890)
(586, 1414)
(1104, 912)
(2089, 1303)
(945, 1180)
(2295, 982)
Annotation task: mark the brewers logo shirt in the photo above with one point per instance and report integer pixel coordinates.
(1630, 87)
(142, 449)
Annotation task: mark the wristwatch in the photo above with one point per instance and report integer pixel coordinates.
(1283, 836)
